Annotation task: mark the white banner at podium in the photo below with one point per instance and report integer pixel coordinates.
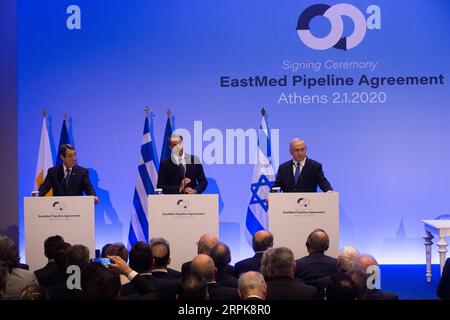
(181, 220)
(292, 217)
(70, 217)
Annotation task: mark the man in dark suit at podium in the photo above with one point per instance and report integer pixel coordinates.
(301, 174)
(67, 179)
(181, 173)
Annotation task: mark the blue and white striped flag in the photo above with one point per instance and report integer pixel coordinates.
(145, 185)
(262, 181)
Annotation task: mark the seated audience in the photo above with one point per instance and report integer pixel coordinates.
(16, 278)
(261, 241)
(157, 241)
(204, 266)
(316, 265)
(221, 256)
(100, 283)
(204, 245)
(278, 267)
(252, 286)
(340, 287)
(3, 276)
(117, 249)
(76, 255)
(50, 245)
(364, 261)
(193, 287)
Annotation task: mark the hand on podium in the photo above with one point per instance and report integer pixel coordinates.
(189, 190)
(184, 183)
(95, 199)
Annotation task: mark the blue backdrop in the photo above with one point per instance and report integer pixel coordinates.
(388, 160)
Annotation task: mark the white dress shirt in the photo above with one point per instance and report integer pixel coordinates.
(294, 166)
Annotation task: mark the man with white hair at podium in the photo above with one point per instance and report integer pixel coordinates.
(67, 179)
(181, 173)
(301, 174)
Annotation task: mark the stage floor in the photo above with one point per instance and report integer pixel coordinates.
(409, 281)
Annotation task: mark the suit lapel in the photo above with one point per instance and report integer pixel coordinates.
(305, 171)
(291, 172)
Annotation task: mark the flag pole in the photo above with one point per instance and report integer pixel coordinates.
(263, 112)
(169, 113)
(44, 112)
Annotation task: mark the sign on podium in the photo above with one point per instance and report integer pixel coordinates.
(181, 220)
(292, 217)
(70, 217)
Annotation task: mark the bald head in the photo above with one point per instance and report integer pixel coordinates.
(161, 255)
(366, 260)
(262, 240)
(252, 284)
(318, 241)
(206, 242)
(297, 148)
(204, 266)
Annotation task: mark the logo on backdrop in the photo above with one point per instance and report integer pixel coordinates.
(183, 204)
(336, 38)
(58, 205)
(303, 202)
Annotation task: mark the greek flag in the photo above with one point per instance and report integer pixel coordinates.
(145, 185)
(262, 181)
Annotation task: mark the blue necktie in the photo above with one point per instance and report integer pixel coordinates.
(297, 172)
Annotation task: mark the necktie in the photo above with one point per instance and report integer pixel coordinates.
(67, 178)
(182, 169)
(297, 172)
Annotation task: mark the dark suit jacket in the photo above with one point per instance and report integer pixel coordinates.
(43, 274)
(284, 288)
(375, 294)
(443, 288)
(79, 182)
(166, 287)
(186, 268)
(226, 280)
(169, 175)
(216, 292)
(140, 288)
(315, 266)
(249, 264)
(174, 273)
(312, 176)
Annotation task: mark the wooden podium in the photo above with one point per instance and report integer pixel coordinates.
(70, 217)
(292, 217)
(181, 220)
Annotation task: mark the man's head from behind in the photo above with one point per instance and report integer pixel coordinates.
(50, 245)
(9, 253)
(262, 240)
(318, 241)
(221, 255)
(359, 279)
(206, 242)
(252, 284)
(141, 257)
(68, 155)
(161, 255)
(347, 258)
(117, 249)
(340, 287)
(278, 262)
(204, 266)
(77, 255)
(192, 287)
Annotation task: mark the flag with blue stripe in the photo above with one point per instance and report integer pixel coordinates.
(63, 139)
(262, 180)
(145, 184)
(165, 151)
